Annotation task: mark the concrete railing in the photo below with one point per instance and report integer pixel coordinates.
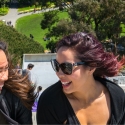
(118, 80)
(38, 58)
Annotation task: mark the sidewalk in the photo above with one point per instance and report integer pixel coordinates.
(13, 14)
(34, 118)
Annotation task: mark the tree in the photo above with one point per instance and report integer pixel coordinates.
(49, 18)
(24, 3)
(51, 45)
(3, 2)
(102, 17)
(66, 27)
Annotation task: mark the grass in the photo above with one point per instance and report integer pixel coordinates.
(123, 30)
(31, 25)
(28, 8)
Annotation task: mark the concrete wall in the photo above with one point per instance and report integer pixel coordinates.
(42, 73)
(120, 80)
(38, 57)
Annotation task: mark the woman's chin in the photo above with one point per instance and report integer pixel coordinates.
(1, 88)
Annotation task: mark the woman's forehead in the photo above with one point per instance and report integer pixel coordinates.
(3, 59)
(65, 53)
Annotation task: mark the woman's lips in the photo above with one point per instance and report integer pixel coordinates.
(65, 84)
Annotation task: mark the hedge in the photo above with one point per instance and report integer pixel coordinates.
(18, 44)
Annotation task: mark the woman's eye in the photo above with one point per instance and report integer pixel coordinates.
(6, 68)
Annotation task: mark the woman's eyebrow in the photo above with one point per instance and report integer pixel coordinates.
(4, 66)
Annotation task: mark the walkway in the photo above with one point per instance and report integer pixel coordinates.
(13, 14)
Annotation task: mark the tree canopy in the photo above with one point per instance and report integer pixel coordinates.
(4, 3)
(103, 18)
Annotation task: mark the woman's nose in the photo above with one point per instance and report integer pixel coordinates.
(60, 72)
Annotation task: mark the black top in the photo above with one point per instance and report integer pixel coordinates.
(16, 110)
(54, 107)
(3, 120)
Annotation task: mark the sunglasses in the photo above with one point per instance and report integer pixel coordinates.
(66, 67)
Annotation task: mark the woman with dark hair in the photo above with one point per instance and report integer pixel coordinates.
(16, 93)
(83, 95)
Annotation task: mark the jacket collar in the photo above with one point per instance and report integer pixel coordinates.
(117, 97)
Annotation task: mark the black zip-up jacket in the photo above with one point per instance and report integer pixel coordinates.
(15, 109)
(54, 108)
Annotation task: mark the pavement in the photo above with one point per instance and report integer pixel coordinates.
(13, 14)
(42, 73)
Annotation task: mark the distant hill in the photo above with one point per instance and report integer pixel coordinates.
(18, 44)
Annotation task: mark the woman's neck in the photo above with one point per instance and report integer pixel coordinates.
(90, 91)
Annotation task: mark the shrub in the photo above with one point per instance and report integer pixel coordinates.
(18, 44)
(4, 11)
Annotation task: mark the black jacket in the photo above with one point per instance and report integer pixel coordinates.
(54, 107)
(16, 110)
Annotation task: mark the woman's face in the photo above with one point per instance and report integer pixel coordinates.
(80, 74)
(3, 69)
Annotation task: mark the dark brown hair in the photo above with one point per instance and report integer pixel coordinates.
(90, 50)
(30, 66)
(18, 85)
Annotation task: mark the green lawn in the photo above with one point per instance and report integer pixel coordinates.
(31, 25)
(123, 30)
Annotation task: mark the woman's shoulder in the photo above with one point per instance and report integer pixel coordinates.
(9, 95)
(116, 92)
(17, 111)
(117, 97)
(51, 102)
(111, 86)
(12, 100)
(51, 94)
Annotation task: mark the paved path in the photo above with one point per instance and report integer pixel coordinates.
(13, 14)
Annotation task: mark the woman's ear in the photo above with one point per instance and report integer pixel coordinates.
(92, 70)
(92, 67)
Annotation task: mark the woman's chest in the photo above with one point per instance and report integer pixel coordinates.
(94, 113)
(98, 116)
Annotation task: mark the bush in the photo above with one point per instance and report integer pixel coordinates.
(18, 44)
(4, 11)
